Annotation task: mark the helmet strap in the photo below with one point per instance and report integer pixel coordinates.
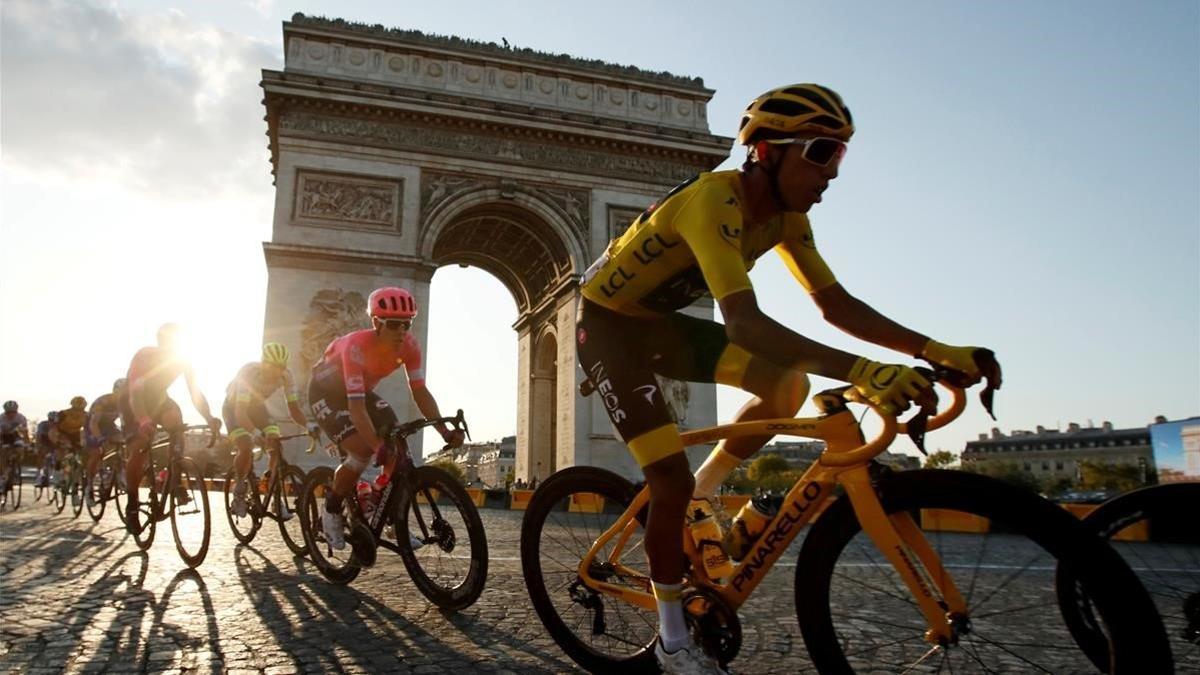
(772, 170)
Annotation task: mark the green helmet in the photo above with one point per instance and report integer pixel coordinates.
(276, 353)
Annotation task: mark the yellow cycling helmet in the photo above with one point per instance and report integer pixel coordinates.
(787, 111)
(275, 353)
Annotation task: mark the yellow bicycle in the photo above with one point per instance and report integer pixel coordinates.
(926, 570)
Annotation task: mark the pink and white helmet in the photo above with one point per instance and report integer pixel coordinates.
(391, 303)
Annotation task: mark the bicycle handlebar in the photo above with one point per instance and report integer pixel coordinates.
(410, 428)
(891, 426)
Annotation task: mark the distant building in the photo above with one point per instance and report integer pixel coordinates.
(484, 463)
(1051, 453)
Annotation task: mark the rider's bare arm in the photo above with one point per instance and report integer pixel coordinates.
(747, 326)
(198, 399)
(859, 319)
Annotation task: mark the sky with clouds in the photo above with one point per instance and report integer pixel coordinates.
(1024, 176)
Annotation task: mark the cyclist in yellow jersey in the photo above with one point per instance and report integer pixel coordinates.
(71, 422)
(701, 239)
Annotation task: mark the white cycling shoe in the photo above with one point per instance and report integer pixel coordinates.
(334, 525)
(690, 660)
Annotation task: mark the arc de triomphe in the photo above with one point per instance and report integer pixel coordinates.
(395, 153)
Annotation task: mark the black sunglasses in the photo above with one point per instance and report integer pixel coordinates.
(396, 324)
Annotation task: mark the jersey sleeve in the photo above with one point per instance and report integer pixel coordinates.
(414, 365)
(711, 225)
(799, 252)
(353, 362)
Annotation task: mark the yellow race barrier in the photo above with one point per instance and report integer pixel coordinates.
(586, 502)
(519, 499)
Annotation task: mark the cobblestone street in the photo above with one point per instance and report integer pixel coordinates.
(79, 596)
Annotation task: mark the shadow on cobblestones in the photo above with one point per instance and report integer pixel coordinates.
(303, 611)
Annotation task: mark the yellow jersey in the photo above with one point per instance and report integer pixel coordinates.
(696, 242)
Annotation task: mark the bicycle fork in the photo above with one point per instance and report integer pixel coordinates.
(900, 540)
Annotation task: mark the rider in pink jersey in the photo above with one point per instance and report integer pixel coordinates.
(342, 398)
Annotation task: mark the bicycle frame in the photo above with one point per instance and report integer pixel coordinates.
(845, 462)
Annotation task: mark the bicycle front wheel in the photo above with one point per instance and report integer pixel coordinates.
(287, 506)
(60, 491)
(77, 491)
(191, 519)
(95, 496)
(569, 511)
(441, 539)
(245, 526)
(1155, 530)
(1000, 545)
(336, 565)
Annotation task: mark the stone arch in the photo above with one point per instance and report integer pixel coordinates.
(504, 199)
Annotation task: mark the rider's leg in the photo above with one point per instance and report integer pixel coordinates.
(779, 392)
(245, 451)
(671, 483)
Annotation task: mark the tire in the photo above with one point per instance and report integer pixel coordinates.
(120, 491)
(191, 517)
(291, 488)
(1154, 530)
(60, 491)
(335, 566)
(839, 567)
(146, 524)
(245, 527)
(94, 496)
(449, 571)
(553, 541)
(14, 488)
(78, 494)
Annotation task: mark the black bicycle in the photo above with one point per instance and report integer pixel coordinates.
(10, 477)
(108, 484)
(1155, 529)
(174, 488)
(281, 503)
(437, 529)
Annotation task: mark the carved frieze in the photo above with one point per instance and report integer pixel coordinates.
(619, 219)
(677, 395)
(438, 188)
(490, 148)
(347, 201)
(331, 313)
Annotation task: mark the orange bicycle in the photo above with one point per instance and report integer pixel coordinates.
(883, 580)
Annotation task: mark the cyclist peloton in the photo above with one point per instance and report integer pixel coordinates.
(349, 411)
(14, 435)
(245, 410)
(145, 406)
(701, 239)
(102, 429)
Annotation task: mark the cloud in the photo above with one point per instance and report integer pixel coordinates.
(155, 101)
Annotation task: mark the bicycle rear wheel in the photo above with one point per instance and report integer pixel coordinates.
(1155, 531)
(244, 527)
(191, 518)
(856, 613)
(450, 567)
(336, 566)
(290, 488)
(569, 511)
